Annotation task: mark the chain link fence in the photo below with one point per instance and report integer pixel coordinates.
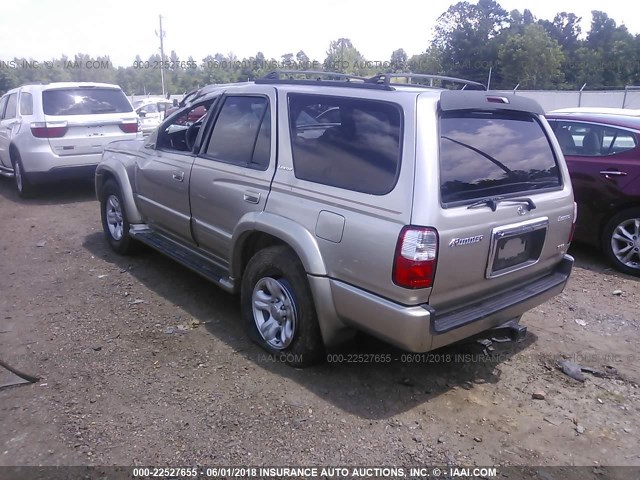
(628, 98)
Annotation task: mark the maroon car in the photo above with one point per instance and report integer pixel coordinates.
(602, 149)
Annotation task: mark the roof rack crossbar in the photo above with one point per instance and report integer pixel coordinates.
(385, 79)
(278, 75)
(320, 78)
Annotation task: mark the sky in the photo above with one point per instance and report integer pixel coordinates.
(122, 29)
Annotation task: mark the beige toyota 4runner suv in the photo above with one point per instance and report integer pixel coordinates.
(400, 205)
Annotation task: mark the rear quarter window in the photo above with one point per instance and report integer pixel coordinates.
(347, 143)
(490, 154)
(85, 101)
(26, 103)
(12, 104)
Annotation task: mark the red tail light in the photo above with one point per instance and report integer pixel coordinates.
(49, 129)
(130, 127)
(414, 264)
(573, 225)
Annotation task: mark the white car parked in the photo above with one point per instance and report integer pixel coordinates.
(58, 131)
(151, 112)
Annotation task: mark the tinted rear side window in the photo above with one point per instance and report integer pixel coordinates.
(84, 101)
(488, 154)
(26, 104)
(12, 104)
(346, 143)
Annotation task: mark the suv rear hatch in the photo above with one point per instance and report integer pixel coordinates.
(82, 120)
(506, 205)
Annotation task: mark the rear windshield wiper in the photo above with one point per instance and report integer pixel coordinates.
(493, 160)
(492, 202)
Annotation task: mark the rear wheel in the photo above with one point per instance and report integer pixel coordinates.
(21, 179)
(621, 241)
(278, 309)
(114, 220)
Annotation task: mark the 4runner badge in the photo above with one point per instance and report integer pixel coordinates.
(456, 242)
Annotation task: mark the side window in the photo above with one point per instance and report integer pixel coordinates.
(3, 103)
(592, 140)
(242, 132)
(12, 104)
(26, 104)
(180, 134)
(151, 108)
(346, 143)
(615, 141)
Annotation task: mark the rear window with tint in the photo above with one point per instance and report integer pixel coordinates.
(346, 143)
(490, 154)
(85, 101)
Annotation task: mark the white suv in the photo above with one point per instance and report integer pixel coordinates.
(151, 112)
(57, 131)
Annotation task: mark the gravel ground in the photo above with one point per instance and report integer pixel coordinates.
(117, 389)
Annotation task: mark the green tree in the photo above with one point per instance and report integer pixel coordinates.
(399, 61)
(466, 36)
(302, 59)
(429, 62)
(616, 48)
(532, 59)
(287, 61)
(8, 80)
(343, 57)
(565, 29)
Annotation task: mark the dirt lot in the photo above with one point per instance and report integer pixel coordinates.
(116, 388)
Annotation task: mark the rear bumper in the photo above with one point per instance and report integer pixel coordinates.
(56, 174)
(422, 328)
(41, 165)
(43, 160)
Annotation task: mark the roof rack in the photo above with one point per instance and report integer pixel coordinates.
(319, 78)
(277, 75)
(385, 79)
(380, 82)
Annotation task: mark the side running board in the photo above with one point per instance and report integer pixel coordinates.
(185, 256)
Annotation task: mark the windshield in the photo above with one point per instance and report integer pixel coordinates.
(487, 154)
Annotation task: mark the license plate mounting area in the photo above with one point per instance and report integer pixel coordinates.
(516, 246)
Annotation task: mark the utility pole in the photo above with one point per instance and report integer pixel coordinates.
(161, 35)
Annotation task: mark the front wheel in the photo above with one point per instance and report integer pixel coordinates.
(114, 220)
(621, 241)
(278, 309)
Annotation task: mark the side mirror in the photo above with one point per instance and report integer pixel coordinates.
(142, 114)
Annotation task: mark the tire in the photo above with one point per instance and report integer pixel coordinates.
(22, 183)
(114, 220)
(621, 241)
(278, 309)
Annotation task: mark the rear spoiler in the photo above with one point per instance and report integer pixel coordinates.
(451, 100)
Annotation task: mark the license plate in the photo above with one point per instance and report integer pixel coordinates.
(95, 131)
(515, 247)
(512, 249)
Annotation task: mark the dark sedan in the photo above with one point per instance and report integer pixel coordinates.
(602, 149)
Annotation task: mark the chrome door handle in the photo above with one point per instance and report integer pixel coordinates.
(178, 176)
(613, 173)
(251, 197)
